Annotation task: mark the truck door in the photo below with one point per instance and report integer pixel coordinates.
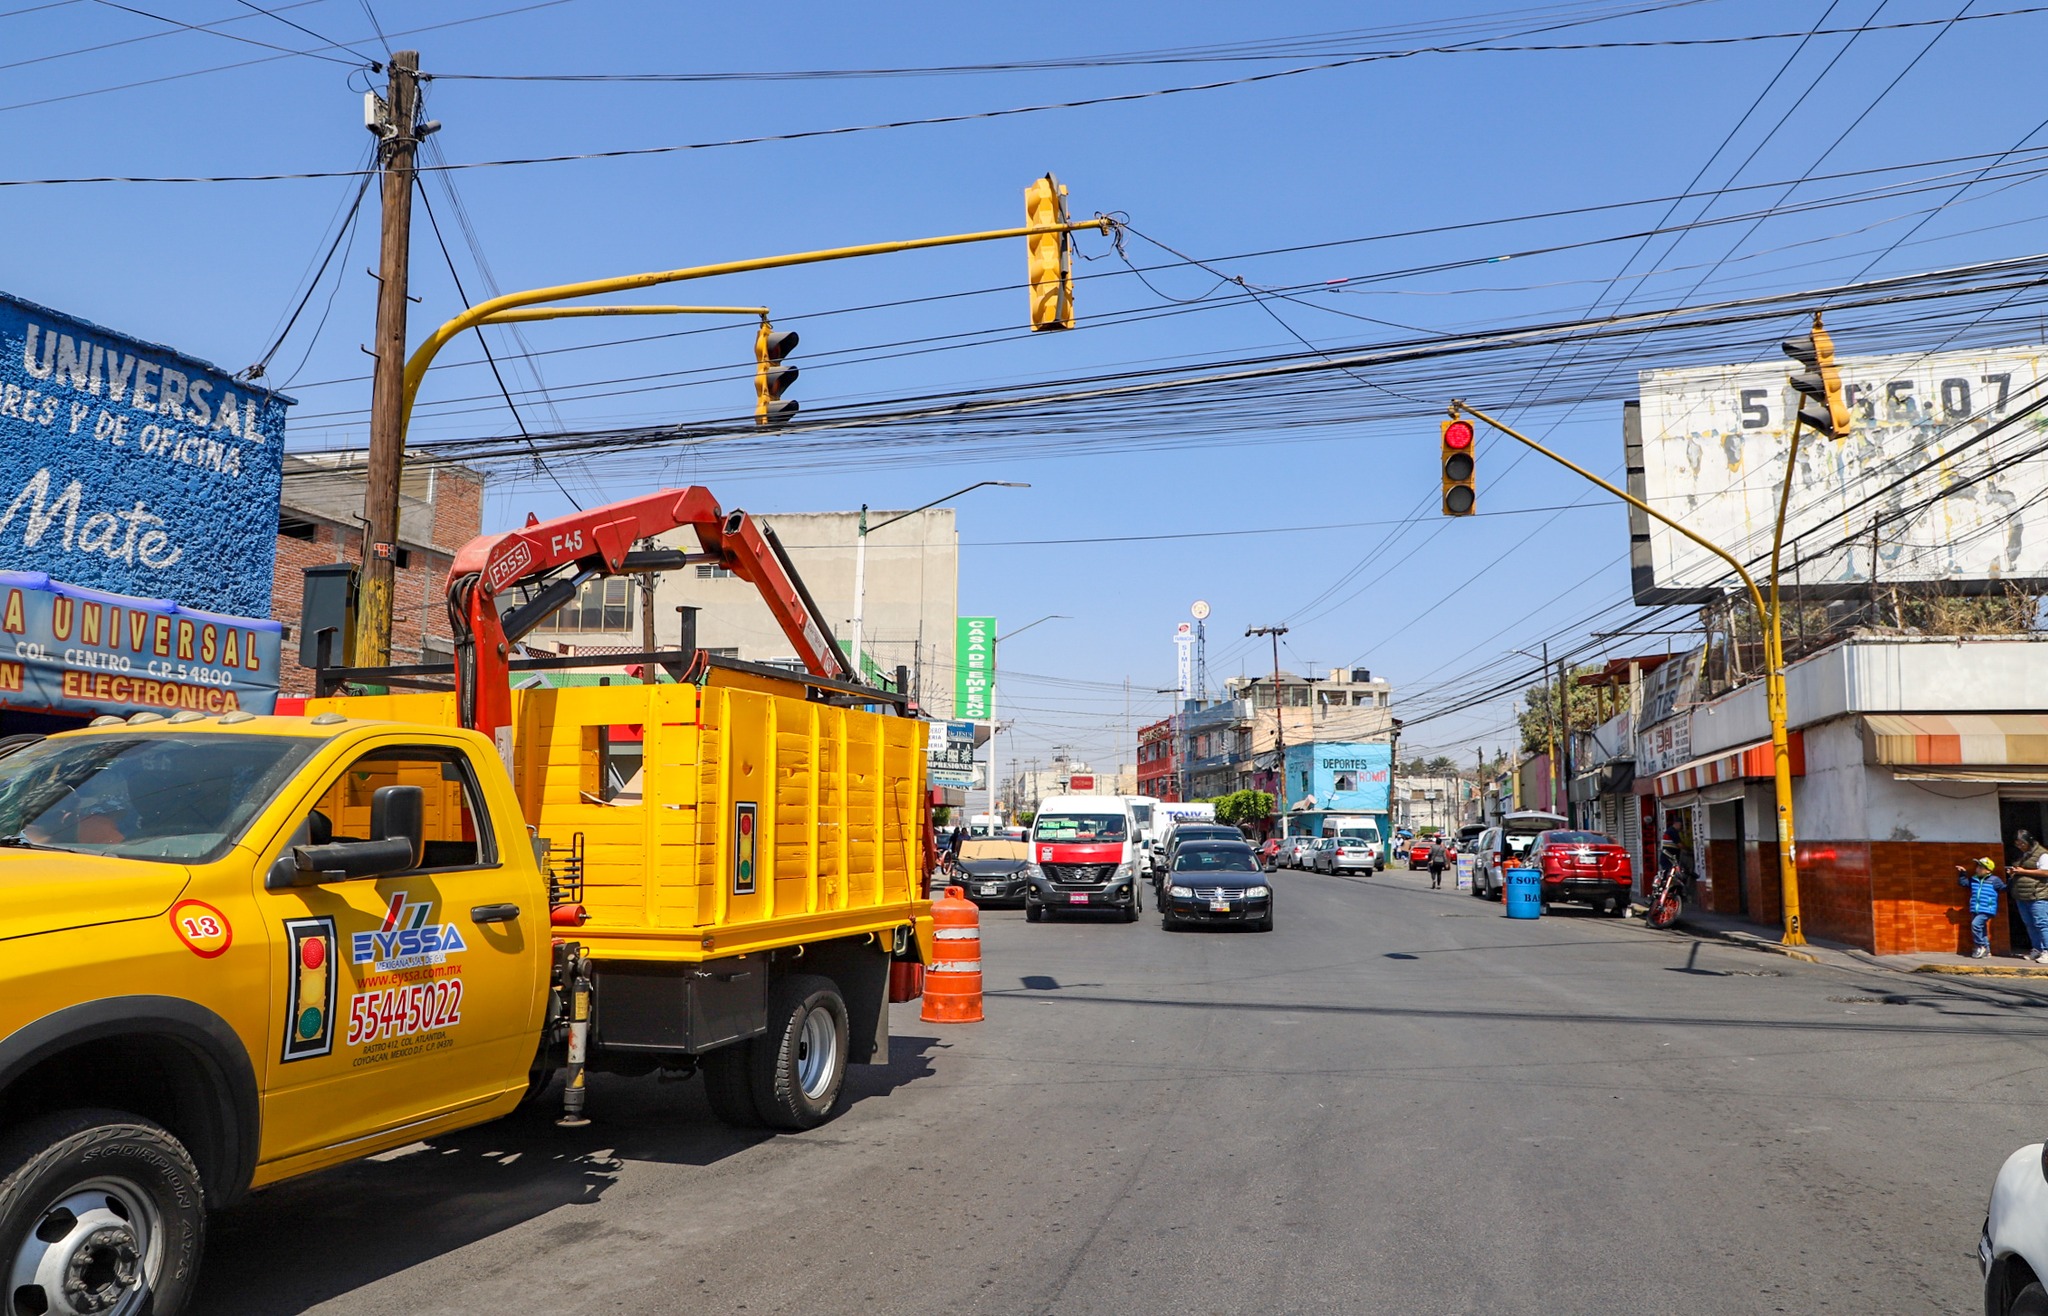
(399, 998)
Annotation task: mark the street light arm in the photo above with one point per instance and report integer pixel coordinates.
(1053, 616)
(1003, 484)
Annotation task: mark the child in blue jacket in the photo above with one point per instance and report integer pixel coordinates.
(1985, 884)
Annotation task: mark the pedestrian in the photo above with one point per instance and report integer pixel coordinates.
(1437, 859)
(2029, 881)
(1984, 883)
(956, 840)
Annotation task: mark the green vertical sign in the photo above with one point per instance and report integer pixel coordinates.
(974, 668)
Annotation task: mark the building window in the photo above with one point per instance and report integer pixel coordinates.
(712, 571)
(601, 605)
(292, 527)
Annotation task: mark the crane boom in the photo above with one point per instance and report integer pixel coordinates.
(597, 543)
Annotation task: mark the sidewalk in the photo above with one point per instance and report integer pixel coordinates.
(1740, 932)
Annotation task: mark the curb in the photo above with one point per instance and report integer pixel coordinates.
(1742, 939)
(1981, 970)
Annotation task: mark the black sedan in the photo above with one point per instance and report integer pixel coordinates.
(1216, 882)
(996, 872)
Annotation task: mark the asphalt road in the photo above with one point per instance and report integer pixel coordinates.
(1399, 1101)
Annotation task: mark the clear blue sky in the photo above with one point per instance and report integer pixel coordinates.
(1380, 147)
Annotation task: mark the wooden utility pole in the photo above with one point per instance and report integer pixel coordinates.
(387, 433)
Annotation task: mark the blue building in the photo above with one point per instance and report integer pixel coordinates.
(1331, 780)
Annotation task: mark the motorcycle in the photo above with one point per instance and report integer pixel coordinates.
(1668, 892)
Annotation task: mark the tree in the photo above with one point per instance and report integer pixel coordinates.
(1241, 807)
(1441, 766)
(1542, 715)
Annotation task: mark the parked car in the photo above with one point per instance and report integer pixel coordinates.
(1193, 831)
(1502, 847)
(1293, 849)
(2012, 1251)
(1583, 866)
(1346, 854)
(1418, 853)
(1216, 882)
(1269, 853)
(997, 872)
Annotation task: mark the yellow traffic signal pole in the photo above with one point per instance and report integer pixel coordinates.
(482, 312)
(1774, 670)
(373, 611)
(373, 607)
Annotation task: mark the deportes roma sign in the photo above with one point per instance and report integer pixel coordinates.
(87, 651)
(131, 467)
(1946, 493)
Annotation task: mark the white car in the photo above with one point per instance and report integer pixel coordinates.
(1346, 854)
(2013, 1249)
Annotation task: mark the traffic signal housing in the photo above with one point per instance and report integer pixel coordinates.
(1049, 257)
(1819, 384)
(771, 377)
(1460, 493)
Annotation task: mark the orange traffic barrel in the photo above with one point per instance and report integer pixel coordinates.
(952, 986)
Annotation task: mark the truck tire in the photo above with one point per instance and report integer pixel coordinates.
(729, 1085)
(101, 1212)
(799, 1065)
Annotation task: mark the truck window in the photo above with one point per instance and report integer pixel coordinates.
(457, 830)
(165, 796)
(1079, 827)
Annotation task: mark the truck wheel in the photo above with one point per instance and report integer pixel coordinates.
(1033, 911)
(729, 1085)
(100, 1212)
(800, 1064)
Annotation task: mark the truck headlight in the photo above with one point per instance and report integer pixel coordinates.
(1180, 891)
(1033, 873)
(1124, 871)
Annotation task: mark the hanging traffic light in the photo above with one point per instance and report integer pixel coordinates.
(1819, 385)
(1459, 492)
(771, 377)
(1049, 256)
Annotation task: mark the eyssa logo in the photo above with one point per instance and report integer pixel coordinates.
(408, 938)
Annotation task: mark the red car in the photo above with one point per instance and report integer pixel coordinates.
(1583, 866)
(1269, 851)
(1418, 852)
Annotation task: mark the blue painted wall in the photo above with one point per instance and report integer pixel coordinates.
(1343, 776)
(130, 467)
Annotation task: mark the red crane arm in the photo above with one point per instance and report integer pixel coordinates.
(597, 543)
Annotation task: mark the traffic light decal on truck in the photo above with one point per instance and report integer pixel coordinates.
(310, 971)
(745, 816)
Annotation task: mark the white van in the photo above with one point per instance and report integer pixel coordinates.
(1085, 855)
(1166, 813)
(1142, 810)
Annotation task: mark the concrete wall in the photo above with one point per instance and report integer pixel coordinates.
(1892, 674)
(912, 595)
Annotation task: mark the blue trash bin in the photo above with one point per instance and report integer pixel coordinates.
(1524, 893)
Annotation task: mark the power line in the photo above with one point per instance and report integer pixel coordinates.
(376, 66)
(215, 31)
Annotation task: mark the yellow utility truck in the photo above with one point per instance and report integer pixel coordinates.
(241, 948)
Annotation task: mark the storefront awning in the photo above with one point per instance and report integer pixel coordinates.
(1748, 763)
(1956, 739)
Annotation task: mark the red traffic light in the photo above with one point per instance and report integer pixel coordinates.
(1458, 434)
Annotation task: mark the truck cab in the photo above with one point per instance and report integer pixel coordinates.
(1086, 850)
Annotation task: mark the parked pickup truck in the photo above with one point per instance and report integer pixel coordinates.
(241, 948)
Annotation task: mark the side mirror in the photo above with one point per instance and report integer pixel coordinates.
(397, 828)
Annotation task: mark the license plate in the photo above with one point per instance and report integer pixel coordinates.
(988, 888)
(1219, 906)
(1078, 898)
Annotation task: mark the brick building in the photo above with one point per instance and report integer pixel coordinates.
(320, 521)
(1910, 755)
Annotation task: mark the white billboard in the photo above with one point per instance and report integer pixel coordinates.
(1707, 448)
